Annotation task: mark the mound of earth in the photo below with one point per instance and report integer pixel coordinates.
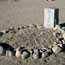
(31, 38)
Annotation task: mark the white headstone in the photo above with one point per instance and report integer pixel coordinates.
(49, 15)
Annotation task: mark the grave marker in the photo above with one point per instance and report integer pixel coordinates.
(49, 15)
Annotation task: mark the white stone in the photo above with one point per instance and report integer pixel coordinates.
(32, 25)
(3, 31)
(35, 50)
(35, 55)
(9, 53)
(56, 49)
(1, 50)
(60, 45)
(49, 17)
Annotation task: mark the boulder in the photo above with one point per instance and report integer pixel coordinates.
(18, 53)
(25, 55)
(56, 49)
(9, 53)
(1, 50)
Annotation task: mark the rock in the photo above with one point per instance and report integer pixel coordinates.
(35, 50)
(12, 32)
(49, 51)
(41, 33)
(63, 28)
(58, 31)
(22, 27)
(39, 26)
(63, 41)
(30, 50)
(18, 28)
(64, 35)
(54, 33)
(1, 50)
(11, 28)
(26, 27)
(32, 25)
(56, 49)
(57, 40)
(4, 31)
(57, 28)
(57, 34)
(25, 55)
(35, 55)
(1, 33)
(60, 45)
(54, 43)
(9, 53)
(44, 55)
(50, 46)
(18, 53)
(62, 31)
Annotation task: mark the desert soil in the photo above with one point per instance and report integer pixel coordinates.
(25, 12)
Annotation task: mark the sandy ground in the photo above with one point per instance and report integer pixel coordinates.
(25, 12)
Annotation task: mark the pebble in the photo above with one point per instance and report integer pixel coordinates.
(56, 49)
(9, 53)
(62, 31)
(41, 33)
(57, 27)
(35, 55)
(39, 26)
(24, 55)
(1, 50)
(26, 27)
(11, 28)
(18, 53)
(58, 31)
(49, 51)
(57, 34)
(60, 45)
(1, 33)
(63, 28)
(54, 33)
(63, 41)
(44, 55)
(4, 31)
(54, 43)
(64, 35)
(57, 40)
(19, 27)
(32, 25)
(30, 50)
